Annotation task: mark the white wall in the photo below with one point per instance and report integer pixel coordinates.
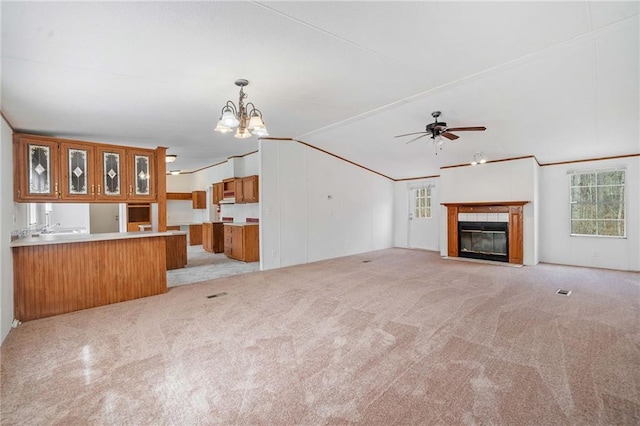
(315, 206)
(501, 181)
(73, 215)
(6, 226)
(428, 236)
(556, 244)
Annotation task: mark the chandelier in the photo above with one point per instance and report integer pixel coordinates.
(247, 118)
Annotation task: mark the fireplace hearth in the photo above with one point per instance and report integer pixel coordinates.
(484, 240)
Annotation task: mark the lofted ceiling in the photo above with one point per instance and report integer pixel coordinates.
(558, 80)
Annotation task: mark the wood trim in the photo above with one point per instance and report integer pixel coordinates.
(218, 163)
(179, 196)
(516, 240)
(492, 161)
(483, 209)
(452, 231)
(278, 139)
(243, 155)
(416, 178)
(614, 157)
(161, 187)
(344, 159)
(487, 203)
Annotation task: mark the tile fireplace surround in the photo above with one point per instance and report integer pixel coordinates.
(512, 208)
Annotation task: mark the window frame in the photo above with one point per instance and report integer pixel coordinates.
(427, 209)
(571, 203)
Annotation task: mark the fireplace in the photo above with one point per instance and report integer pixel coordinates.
(493, 230)
(484, 240)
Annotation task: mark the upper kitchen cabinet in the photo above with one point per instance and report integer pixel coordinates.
(218, 192)
(49, 169)
(78, 166)
(112, 174)
(246, 189)
(36, 165)
(199, 199)
(142, 164)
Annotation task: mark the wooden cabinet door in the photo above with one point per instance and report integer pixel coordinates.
(218, 190)
(199, 199)
(36, 165)
(228, 240)
(111, 171)
(207, 236)
(239, 191)
(237, 247)
(78, 171)
(141, 175)
(195, 234)
(250, 189)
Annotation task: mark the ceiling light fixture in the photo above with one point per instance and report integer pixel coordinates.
(175, 172)
(478, 158)
(170, 158)
(247, 118)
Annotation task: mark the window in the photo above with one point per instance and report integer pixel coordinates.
(423, 203)
(597, 203)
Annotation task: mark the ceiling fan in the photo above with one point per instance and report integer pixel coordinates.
(439, 129)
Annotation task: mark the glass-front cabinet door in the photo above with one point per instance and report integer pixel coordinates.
(39, 170)
(113, 171)
(142, 185)
(78, 175)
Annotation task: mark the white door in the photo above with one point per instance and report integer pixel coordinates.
(423, 226)
(104, 218)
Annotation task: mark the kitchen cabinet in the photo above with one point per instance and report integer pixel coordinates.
(218, 192)
(242, 190)
(248, 189)
(241, 242)
(141, 182)
(213, 237)
(199, 199)
(138, 214)
(36, 165)
(60, 170)
(78, 171)
(195, 234)
(111, 174)
(229, 188)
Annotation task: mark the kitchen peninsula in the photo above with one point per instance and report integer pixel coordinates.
(60, 273)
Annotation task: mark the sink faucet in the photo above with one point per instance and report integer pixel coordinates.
(47, 228)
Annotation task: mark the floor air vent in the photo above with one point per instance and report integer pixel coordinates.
(366, 261)
(216, 295)
(563, 292)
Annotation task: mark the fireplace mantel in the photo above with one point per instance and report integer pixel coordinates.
(513, 208)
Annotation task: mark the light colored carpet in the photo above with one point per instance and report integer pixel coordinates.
(407, 338)
(203, 266)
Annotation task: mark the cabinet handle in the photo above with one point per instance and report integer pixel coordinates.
(93, 189)
(130, 189)
(57, 193)
(98, 189)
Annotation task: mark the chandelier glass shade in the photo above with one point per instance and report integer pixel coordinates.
(246, 118)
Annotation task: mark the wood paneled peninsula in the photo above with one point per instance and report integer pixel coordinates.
(60, 273)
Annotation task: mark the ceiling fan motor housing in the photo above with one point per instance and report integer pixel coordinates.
(432, 126)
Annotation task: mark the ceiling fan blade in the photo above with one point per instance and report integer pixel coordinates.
(422, 136)
(409, 134)
(463, 129)
(449, 136)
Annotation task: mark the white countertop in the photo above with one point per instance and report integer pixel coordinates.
(44, 239)
(241, 223)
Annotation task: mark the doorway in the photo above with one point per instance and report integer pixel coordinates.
(423, 226)
(104, 218)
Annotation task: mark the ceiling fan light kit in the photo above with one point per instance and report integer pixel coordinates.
(478, 158)
(247, 118)
(438, 129)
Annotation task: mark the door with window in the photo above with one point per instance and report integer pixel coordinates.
(423, 229)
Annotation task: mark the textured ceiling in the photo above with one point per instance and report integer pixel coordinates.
(558, 80)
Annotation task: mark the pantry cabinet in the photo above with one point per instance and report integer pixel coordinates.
(50, 169)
